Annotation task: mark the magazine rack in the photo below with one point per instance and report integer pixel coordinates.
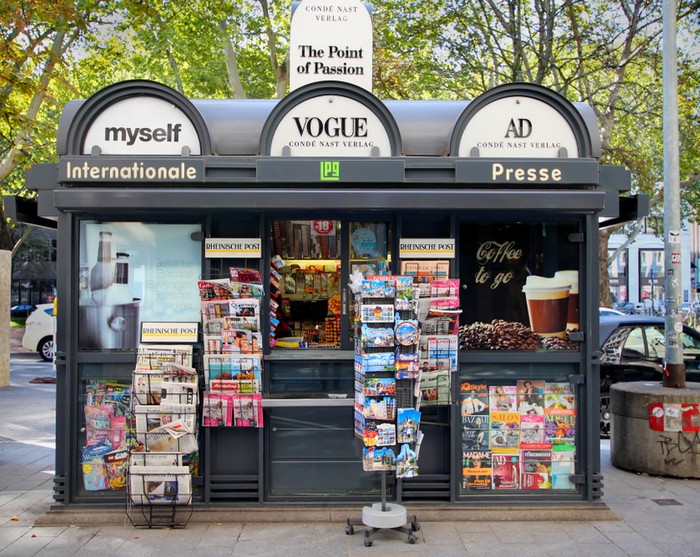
(384, 516)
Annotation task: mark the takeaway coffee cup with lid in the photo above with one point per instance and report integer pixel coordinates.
(547, 305)
(572, 319)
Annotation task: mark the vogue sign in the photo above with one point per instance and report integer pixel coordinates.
(330, 125)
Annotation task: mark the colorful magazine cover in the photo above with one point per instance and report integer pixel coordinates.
(536, 469)
(563, 468)
(476, 470)
(474, 398)
(505, 432)
(560, 429)
(502, 398)
(217, 409)
(532, 431)
(247, 410)
(506, 471)
(530, 394)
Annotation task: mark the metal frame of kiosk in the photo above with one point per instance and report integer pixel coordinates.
(428, 183)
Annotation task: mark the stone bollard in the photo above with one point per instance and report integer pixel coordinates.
(656, 430)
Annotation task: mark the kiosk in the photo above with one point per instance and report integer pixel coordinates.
(331, 180)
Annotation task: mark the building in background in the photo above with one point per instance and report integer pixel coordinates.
(637, 274)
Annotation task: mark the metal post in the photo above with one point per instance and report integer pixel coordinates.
(674, 369)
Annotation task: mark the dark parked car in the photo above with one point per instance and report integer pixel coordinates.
(633, 348)
(21, 310)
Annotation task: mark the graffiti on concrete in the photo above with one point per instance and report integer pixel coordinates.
(681, 448)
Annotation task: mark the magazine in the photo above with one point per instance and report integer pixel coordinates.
(532, 431)
(530, 395)
(502, 398)
(476, 438)
(476, 470)
(474, 398)
(536, 469)
(217, 409)
(506, 471)
(247, 410)
(504, 436)
(562, 468)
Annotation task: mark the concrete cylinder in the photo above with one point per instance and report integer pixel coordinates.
(673, 450)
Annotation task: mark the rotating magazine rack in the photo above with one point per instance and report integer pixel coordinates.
(386, 363)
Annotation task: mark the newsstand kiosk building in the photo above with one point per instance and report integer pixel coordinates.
(310, 192)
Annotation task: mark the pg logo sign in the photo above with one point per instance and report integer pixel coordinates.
(330, 171)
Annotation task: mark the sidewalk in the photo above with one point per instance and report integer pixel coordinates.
(644, 516)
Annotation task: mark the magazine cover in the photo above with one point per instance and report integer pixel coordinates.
(216, 289)
(560, 429)
(217, 409)
(502, 398)
(476, 470)
(532, 431)
(247, 410)
(474, 398)
(240, 341)
(530, 395)
(155, 459)
(475, 433)
(244, 274)
(505, 432)
(536, 469)
(562, 468)
(506, 471)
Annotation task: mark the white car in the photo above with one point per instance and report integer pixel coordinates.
(39, 331)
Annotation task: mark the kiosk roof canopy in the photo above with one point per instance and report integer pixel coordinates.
(234, 126)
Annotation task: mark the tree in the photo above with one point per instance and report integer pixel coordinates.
(36, 37)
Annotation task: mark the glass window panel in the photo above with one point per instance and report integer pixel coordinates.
(158, 264)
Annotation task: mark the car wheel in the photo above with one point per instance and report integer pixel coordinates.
(605, 415)
(46, 349)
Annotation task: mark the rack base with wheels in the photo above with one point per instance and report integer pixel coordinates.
(384, 516)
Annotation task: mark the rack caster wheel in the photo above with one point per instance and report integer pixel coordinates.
(411, 539)
(349, 530)
(415, 526)
(368, 540)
